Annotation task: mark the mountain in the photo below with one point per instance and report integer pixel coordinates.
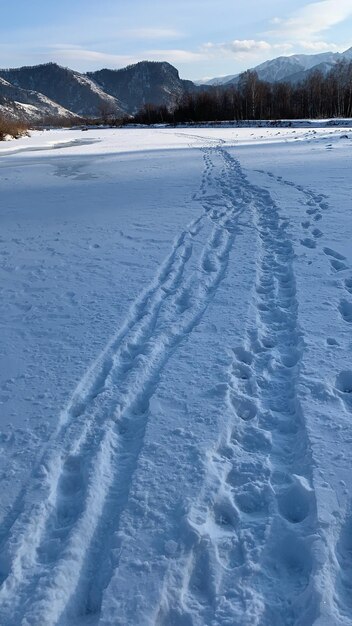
(302, 75)
(143, 83)
(213, 82)
(36, 92)
(282, 68)
(73, 91)
(50, 88)
(289, 68)
(28, 105)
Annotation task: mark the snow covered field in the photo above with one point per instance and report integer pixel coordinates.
(176, 377)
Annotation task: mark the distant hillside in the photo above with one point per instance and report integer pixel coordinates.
(72, 90)
(143, 83)
(114, 92)
(29, 105)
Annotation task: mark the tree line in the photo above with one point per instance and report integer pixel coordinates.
(317, 96)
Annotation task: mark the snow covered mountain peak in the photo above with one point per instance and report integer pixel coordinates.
(284, 67)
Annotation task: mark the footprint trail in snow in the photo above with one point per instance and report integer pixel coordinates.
(254, 528)
(248, 549)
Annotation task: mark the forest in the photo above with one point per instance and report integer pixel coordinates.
(319, 95)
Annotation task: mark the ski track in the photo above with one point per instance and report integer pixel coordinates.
(65, 520)
(249, 549)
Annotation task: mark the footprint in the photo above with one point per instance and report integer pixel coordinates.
(243, 355)
(305, 224)
(344, 387)
(252, 499)
(344, 381)
(317, 233)
(209, 264)
(345, 309)
(218, 238)
(245, 408)
(254, 441)
(70, 504)
(334, 254)
(289, 562)
(290, 358)
(308, 243)
(230, 552)
(201, 578)
(295, 502)
(225, 514)
(339, 266)
(184, 301)
(71, 481)
(331, 341)
(242, 371)
(348, 285)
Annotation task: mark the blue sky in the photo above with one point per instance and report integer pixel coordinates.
(202, 38)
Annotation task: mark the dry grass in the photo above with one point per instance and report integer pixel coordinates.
(12, 128)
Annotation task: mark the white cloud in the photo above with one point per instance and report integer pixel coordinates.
(244, 49)
(237, 50)
(238, 46)
(313, 19)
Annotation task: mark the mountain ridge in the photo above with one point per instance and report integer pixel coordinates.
(282, 67)
(70, 89)
(36, 92)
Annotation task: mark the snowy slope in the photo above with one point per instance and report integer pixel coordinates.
(283, 67)
(69, 89)
(27, 105)
(176, 378)
(294, 67)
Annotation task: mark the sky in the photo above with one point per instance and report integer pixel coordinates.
(202, 38)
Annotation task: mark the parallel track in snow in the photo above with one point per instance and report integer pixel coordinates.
(254, 528)
(57, 551)
(248, 556)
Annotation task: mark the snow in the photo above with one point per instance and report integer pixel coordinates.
(29, 108)
(33, 113)
(176, 377)
(88, 82)
(4, 82)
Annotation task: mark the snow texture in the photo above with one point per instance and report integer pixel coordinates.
(176, 380)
